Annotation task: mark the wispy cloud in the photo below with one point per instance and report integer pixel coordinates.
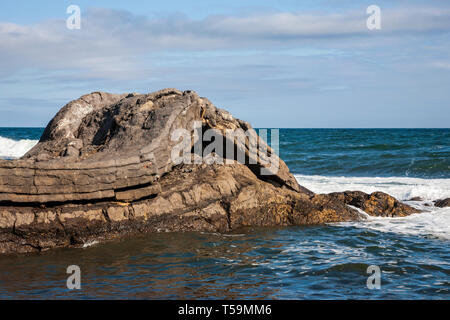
(263, 58)
(441, 65)
(110, 40)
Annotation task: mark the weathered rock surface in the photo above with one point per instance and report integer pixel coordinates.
(442, 203)
(104, 168)
(377, 204)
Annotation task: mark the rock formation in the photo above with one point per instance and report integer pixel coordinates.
(105, 167)
(442, 203)
(377, 204)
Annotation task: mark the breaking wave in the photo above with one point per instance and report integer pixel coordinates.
(13, 149)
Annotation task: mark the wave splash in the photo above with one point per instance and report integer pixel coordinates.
(433, 223)
(402, 188)
(13, 149)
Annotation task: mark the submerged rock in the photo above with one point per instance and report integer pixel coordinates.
(107, 165)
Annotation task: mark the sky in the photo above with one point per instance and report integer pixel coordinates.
(285, 63)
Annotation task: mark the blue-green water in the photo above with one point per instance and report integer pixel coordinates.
(421, 153)
(290, 263)
(321, 262)
(21, 133)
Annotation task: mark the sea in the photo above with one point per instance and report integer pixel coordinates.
(378, 258)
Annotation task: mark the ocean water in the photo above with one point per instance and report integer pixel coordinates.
(319, 262)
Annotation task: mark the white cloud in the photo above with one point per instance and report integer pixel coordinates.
(441, 65)
(111, 43)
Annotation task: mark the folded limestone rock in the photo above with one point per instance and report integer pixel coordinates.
(109, 165)
(101, 144)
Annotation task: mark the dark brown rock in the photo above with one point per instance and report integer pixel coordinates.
(442, 203)
(377, 204)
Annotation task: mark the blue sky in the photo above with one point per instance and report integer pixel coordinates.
(285, 63)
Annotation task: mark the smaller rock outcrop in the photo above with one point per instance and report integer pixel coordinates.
(442, 203)
(378, 204)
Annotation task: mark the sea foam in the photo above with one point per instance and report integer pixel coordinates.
(402, 188)
(432, 224)
(12, 149)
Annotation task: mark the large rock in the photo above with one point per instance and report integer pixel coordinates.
(100, 144)
(105, 167)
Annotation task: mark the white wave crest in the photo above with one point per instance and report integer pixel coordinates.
(90, 243)
(435, 222)
(10, 148)
(402, 188)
